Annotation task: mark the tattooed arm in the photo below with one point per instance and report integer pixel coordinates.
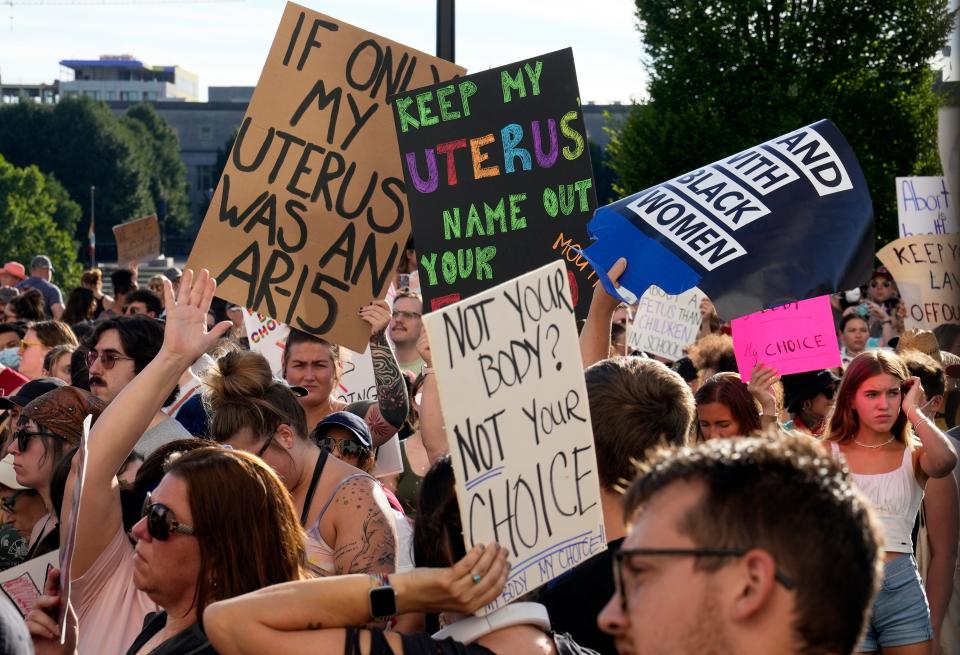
(303, 617)
(388, 415)
(366, 539)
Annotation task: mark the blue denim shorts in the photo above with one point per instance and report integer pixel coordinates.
(900, 613)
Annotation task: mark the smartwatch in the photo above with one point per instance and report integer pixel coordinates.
(383, 598)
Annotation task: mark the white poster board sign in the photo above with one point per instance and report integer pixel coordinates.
(356, 379)
(665, 324)
(517, 420)
(23, 584)
(925, 206)
(267, 336)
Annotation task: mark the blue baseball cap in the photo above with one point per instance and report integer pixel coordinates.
(356, 425)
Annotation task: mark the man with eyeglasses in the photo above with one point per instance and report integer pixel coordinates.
(405, 327)
(809, 398)
(123, 346)
(714, 563)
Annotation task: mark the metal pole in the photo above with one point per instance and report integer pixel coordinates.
(92, 234)
(445, 29)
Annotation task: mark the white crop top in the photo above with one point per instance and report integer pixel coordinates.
(896, 497)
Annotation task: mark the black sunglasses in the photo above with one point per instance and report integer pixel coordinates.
(829, 391)
(23, 438)
(161, 521)
(343, 446)
(626, 554)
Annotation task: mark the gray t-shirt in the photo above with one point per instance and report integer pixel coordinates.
(51, 292)
(164, 432)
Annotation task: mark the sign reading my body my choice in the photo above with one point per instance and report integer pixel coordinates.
(498, 177)
(310, 217)
(515, 409)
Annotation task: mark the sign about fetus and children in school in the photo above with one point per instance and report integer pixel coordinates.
(498, 177)
(310, 217)
(517, 419)
(785, 220)
(664, 324)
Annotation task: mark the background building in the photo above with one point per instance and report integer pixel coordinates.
(121, 77)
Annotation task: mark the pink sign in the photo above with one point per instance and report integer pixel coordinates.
(793, 338)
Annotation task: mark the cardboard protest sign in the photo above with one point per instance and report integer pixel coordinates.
(785, 220)
(267, 336)
(926, 268)
(665, 324)
(498, 177)
(138, 240)
(23, 584)
(793, 338)
(309, 219)
(515, 410)
(924, 206)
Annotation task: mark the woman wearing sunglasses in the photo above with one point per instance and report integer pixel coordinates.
(254, 412)
(195, 543)
(40, 338)
(892, 450)
(315, 616)
(50, 426)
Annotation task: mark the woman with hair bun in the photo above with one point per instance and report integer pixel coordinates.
(350, 528)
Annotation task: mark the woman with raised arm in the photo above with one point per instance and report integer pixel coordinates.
(195, 544)
(892, 450)
(315, 365)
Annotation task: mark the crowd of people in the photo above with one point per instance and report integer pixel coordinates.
(228, 510)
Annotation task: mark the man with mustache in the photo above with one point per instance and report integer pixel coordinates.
(122, 347)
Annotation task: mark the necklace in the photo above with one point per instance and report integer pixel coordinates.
(879, 445)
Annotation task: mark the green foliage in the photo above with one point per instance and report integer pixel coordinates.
(729, 74)
(159, 152)
(133, 161)
(27, 211)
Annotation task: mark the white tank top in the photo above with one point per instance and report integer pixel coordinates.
(896, 497)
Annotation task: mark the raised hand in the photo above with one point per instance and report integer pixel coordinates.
(465, 587)
(762, 379)
(377, 316)
(185, 334)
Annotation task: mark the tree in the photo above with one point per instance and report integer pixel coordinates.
(27, 211)
(729, 74)
(133, 162)
(159, 151)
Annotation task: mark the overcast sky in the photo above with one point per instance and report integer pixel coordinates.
(225, 43)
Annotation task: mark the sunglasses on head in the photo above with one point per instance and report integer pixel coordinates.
(345, 447)
(23, 438)
(161, 521)
(108, 358)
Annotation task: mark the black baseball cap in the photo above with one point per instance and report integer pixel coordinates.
(803, 386)
(30, 391)
(356, 425)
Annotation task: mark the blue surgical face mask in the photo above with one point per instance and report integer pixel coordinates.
(10, 357)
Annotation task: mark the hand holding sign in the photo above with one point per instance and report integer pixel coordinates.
(788, 219)
(518, 425)
(793, 338)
